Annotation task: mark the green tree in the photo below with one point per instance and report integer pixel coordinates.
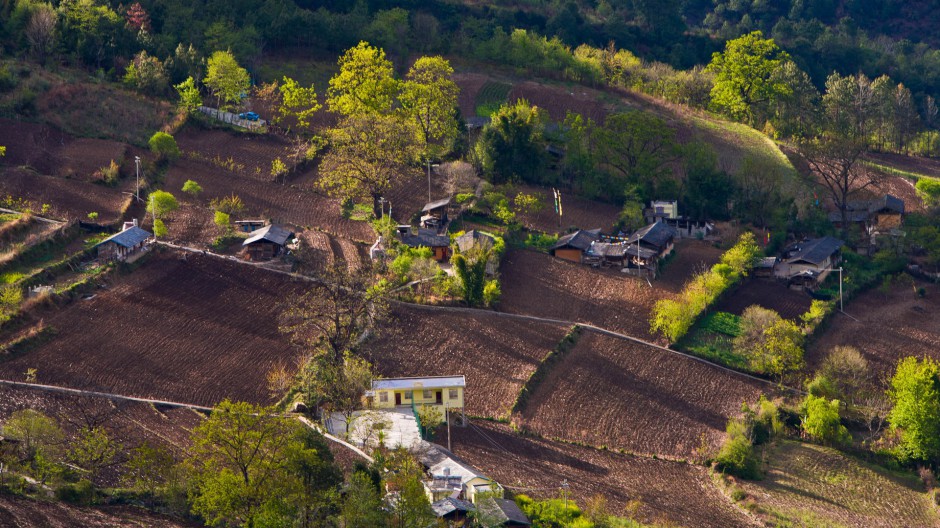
(190, 98)
(362, 507)
(278, 169)
(149, 470)
(34, 431)
(161, 203)
(745, 75)
(412, 510)
(821, 421)
(192, 188)
(335, 385)
(471, 271)
(223, 220)
(915, 414)
(428, 98)
(146, 74)
(635, 147)
(297, 102)
(929, 190)
(511, 147)
(771, 344)
(159, 228)
(249, 465)
(226, 79)
(93, 451)
(163, 144)
(364, 84)
(366, 153)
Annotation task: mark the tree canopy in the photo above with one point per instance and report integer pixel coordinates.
(365, 83)
(915, 396)
(226, 79)
(428, 97)
(744, 74)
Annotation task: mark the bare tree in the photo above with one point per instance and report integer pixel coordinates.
(40, 31)
(336, 312)
(833, 162)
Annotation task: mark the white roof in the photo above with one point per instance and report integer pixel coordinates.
(431, 382)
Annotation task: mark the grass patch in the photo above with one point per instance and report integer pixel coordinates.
(736, 141)
(723, 323)
(491, 96)
(913, 176)
(714, 347)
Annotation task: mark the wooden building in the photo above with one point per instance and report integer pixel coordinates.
(267, 243)
(429, 238)
(874, 217)
(572, 246)
(123, 246)
(434, 214)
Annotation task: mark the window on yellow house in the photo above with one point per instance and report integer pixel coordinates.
(427, 394)
(452, 394)
(407, 395)
(383, 397)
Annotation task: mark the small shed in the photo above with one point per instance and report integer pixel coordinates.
(503, 511)
(606, 254)
(127, 244)
(572, 246)
(267, 243)
(452, 511)
(765, 267)
(434, 214)
(429, 238)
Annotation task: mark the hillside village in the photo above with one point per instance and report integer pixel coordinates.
(383, 279)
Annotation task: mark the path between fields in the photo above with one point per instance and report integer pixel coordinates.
(523, 317)
(122, 397)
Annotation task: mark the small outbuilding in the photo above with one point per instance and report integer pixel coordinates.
(453, 512)
(504, 511)
(267, 243)
(572, 246)
(658, 237)
(129, 244)
(429, 238)
(434, 214)
(474, 238)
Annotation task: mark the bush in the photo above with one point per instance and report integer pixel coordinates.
(109, 175)
(163, 144)
(491, 293)
(222, 219)
(929, 190)
(192, 188)
(821, 421)
(737, 458)
(82, 492)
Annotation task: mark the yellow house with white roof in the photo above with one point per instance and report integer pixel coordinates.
(443, 391)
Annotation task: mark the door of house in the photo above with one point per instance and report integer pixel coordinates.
(397, 398)
(440, 397)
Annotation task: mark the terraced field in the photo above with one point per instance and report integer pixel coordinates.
(624, 395)
(194, 331)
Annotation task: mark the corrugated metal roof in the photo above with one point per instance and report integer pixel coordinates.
(505, 510)
(272, 233)
(128, 238)
(431, 382)
(435, 204)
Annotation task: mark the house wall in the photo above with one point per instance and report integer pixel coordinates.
(887, 221)
(417, 396)
(262, 250)
(573, 255)
(441, 253)
(469, 488)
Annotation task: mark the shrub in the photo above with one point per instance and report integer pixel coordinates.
(222, 219)
(929, 190)
(821, 421)
(110, 174)
(163, 144)
(491, 293)
(159, 228)
(192, 188)
(737, 457)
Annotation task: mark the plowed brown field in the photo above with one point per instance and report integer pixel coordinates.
(889, 327)
(496, 355)
(69, 199)
(576, 213)
(18, 512)
(280, 203)
(559, 100)
(538, 284)
(692, 256)
(668, 491)
(50, 151)
(625, 395)
(251, 153)
(194, 331)
(767, 293)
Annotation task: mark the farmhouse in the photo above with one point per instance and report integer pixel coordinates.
(606, 254)
(657, 237)
(667, 212)
(429, 238)
(809, 262)
(127, 245)
(443, 391)
(267, 242)
(453, 512)
(873, 216)
(572, 246)
(434, 214)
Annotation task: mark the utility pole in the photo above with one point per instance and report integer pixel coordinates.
(564, 491)
(428, 159)
(153, 210)
(841, 306)
(137, 164)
